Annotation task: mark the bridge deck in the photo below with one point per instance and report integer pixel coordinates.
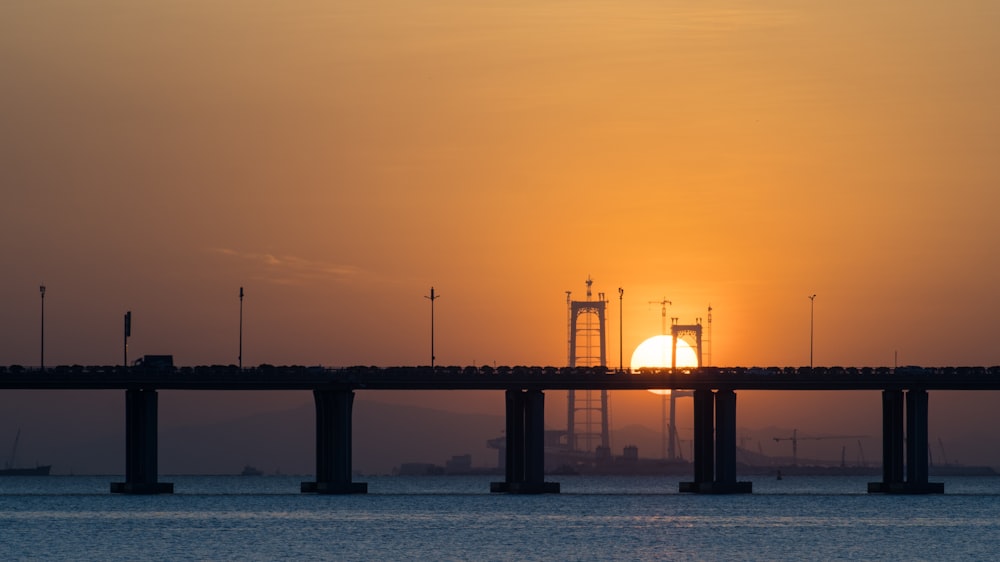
(487, 378)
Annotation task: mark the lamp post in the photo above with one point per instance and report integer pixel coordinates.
(432, 299)
(41, 361)
(621, 295)
(240, 356)
(128, 332)
(812, 306)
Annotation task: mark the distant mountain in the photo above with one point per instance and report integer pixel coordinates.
(84, 433)
(385, 435)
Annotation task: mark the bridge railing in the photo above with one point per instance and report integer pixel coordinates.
(503, 370)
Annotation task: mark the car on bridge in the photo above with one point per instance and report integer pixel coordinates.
(155, 362)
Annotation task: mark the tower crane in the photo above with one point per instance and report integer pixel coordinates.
(944, 456)
(669, 440)
(795, 441)
(663, 311)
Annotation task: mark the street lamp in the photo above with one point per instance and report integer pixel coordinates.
(621, 295)
(128, 333)
(240, 356)
(432, 299)
(41, 361)
(812, 306)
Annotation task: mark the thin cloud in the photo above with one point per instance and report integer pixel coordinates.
(292, 270)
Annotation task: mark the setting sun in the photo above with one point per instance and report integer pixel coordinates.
(656, 352)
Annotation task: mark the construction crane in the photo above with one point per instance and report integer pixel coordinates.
(669, 440)
(795, 441)
(663, 312)
(944, 456)
(861, 456)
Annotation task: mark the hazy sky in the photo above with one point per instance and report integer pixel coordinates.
(337, 159)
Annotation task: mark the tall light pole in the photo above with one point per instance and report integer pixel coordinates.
(621, 295)
(240, 356)
(41, 361)
(812, 307)
(128, 332)
(432, 299)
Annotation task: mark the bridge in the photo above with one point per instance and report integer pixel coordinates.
(904, 411)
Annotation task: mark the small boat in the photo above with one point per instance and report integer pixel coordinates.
(251, 471)
(10, 470)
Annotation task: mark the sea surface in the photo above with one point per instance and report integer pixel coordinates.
(457, 518)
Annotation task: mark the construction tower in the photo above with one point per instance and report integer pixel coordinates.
(686, 332)
(587, 411)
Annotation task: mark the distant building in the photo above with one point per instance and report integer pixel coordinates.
(418, 469)
(459, 464)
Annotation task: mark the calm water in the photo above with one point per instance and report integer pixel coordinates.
(456, 518)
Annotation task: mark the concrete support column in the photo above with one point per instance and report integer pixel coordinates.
(525, 464)
(916, 437)
(534, 437)
(893, 438)
(725, 437)
(704, 435)
(141, 470)
(515, 436)
(715, 445)
(333, 445)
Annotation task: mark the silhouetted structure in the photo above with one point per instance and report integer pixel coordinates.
(588, 348)
(905, 454)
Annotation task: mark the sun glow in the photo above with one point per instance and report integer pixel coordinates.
(656, 352)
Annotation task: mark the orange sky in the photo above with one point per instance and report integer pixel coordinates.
(339, 159)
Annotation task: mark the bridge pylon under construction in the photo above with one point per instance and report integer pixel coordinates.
(587, 410)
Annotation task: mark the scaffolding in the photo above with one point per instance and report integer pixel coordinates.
(587, 411)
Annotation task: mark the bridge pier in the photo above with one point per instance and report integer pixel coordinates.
(524, 472)
(141, 472)
(333, 445)
(915, 438)
(715, 445)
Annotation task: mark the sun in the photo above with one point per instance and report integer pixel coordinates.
(656, 351)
